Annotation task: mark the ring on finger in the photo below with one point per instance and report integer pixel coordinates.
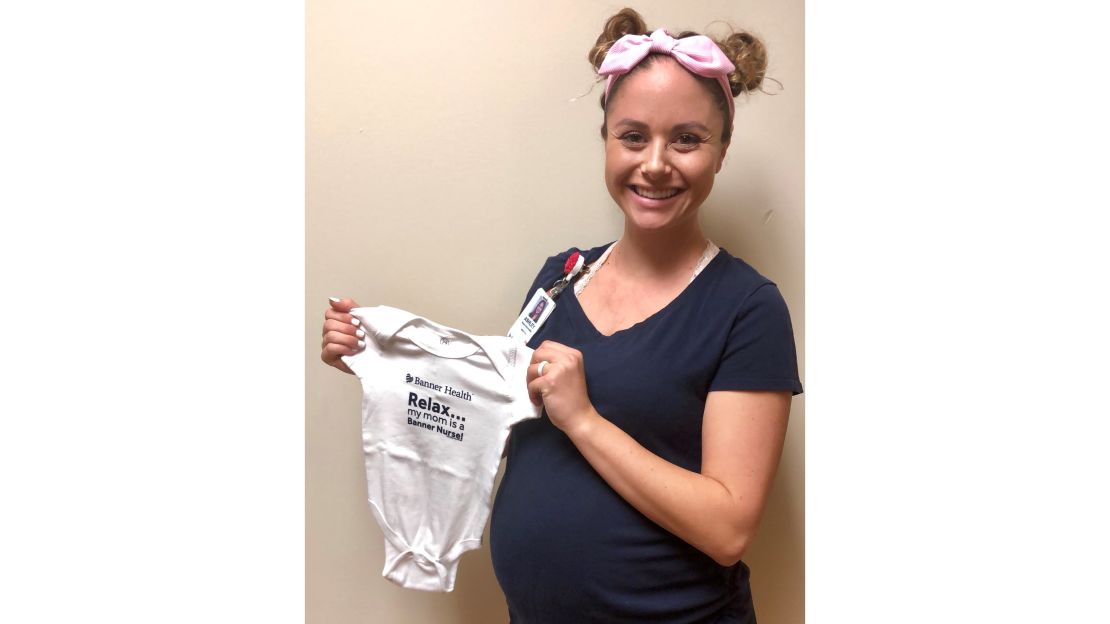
(539, 369)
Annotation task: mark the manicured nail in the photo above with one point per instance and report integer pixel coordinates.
(360, 333)
(361, 344)
(333, 299)
(355, 322)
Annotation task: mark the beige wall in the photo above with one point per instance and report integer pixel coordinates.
(444, 163)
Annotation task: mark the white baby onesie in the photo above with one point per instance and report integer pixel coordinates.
(437, 405)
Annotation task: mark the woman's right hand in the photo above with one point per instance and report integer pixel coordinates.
(342, 336)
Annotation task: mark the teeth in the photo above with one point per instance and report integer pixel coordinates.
(642, 192)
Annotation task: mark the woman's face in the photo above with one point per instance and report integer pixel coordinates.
(663, 146)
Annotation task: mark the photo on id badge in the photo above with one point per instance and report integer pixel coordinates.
(537, 310)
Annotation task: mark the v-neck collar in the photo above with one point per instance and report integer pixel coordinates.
(584, 320)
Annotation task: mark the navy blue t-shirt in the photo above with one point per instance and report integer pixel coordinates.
(566, 547)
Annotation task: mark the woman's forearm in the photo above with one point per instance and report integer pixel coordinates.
(697, 508)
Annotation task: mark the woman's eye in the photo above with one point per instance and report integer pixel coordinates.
(632, 137)
(688, 140)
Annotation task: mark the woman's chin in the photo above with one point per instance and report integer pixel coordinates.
(651, 220)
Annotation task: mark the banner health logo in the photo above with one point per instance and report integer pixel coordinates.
(408, 378)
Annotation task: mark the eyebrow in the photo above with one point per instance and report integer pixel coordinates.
(689, 125)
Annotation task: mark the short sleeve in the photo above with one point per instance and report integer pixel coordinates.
(521, 407)
(364, 363)
(760, 353)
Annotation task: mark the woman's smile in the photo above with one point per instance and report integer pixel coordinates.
(649, 193)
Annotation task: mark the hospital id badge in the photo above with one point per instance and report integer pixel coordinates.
(532, 318)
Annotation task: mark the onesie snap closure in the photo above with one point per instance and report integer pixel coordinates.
(416, 569)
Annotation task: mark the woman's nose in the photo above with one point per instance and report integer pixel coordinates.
(655, 162)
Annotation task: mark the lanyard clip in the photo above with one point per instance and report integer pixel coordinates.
(574, 266)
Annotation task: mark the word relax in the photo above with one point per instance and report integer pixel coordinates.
(431, 405)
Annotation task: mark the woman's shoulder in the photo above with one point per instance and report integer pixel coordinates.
(739, 277)
(760, 352)
(740, 290)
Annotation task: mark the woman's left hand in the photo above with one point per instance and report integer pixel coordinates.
(562, 386)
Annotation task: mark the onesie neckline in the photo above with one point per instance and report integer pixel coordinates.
(439, 340)
(396, 323)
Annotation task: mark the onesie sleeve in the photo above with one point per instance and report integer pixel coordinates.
(759, 353)
(521, 406)
(524, 409)
(364, 363)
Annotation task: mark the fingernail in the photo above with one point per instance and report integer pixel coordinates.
(333, 299)
(360, 333)
(361, 344)
(355, 322)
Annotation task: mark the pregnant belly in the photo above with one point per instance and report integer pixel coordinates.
(563, 542)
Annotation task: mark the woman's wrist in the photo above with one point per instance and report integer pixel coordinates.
(581, 427)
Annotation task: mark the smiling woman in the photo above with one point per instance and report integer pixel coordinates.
(666, 373)
(666, 381)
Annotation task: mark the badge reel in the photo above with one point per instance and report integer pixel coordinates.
(542, 304)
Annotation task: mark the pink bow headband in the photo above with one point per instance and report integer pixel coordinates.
(697, 53)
